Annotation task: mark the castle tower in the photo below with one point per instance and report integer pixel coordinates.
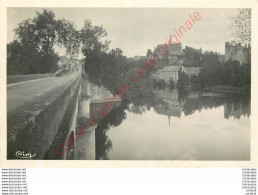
(238, 54)
(235, 51)
(227, 51)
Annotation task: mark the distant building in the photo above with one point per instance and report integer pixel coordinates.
(170, 53)
(192, 71)
(237, 52)
(137, 58)
(66, 64)
(167, 73)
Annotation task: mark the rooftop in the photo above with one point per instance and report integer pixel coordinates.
(170, 69)
(173, 48)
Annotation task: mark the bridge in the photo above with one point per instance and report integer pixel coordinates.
(43, 112)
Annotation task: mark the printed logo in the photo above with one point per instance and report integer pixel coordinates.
(20, 154)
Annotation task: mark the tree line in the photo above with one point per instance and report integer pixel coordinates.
(33, 49)
(231, 73)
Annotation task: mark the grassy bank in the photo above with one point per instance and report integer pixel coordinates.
(227, 89)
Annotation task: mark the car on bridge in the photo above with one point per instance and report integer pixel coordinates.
(58, 73)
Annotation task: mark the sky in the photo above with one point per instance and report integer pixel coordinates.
(134, 30)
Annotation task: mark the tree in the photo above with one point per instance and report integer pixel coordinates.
(44, 31)
(106, 68)
(183, 80)
(13, 57)
(171, 83)
(33, 49)
(191, 53)
(115, 117)
(103, 67)
(94, 49)
(91, 39)
(120, 60)
(232, 74)
(241, 26)
(24, 59)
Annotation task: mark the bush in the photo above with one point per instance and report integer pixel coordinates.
(183, 80)
(171, 84)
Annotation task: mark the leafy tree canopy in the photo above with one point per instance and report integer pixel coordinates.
(44, 31)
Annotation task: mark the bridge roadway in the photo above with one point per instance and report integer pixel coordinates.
(35, 110)
(44, 113)
(23, 92)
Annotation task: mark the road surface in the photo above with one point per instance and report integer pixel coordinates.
(21, 93)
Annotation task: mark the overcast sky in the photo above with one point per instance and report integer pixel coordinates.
(135, 30)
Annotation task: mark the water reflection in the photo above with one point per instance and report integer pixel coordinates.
(114, 119)
(164, 124)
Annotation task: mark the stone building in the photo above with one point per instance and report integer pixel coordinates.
(168, 73)
(238, 52)
(137, 58)
(193, 71)
(172, 54)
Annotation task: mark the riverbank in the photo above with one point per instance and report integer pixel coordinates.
(227, 89)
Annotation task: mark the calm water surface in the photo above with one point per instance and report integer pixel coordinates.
(164, 124)
(204, 135)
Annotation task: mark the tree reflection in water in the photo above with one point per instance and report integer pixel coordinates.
(141, 101)
(114, 118)
(144, 96)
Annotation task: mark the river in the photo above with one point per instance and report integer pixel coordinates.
(164, 124)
